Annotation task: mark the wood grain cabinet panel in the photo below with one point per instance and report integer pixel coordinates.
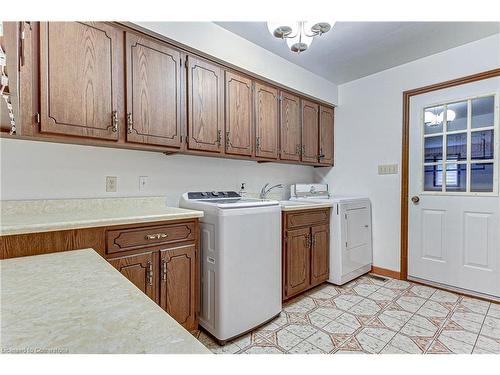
(141, 270)
(266, 121)
(290, 141)
(205, 105)
(136, 238)
(153, 92)
(320, 254)
(239, 115)
(325, 135)
(310, 132)
(306, 250)
(178, 287)
(81, 85)
(297, 261)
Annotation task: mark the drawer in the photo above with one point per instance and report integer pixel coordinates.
(136, 238)
(307, 217)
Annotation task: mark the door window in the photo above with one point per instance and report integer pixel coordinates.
(460, 146)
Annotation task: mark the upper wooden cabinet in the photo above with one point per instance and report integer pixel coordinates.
(239, 115)
(325, 135)
(266, 121)
(140, 269)
(110, 84)
(153, 92)
(205, 105)
(178, 287)
(310, 132)
(290, 142)
(81, 67)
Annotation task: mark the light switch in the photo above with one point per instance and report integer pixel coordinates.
(388, 169)
(111, 184)
(143, 182)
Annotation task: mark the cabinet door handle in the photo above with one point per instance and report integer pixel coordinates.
(150, 273)
(114, 117)
(257, 143)
(228, 139)
(130, 123)
(164, 270)
(219, 137)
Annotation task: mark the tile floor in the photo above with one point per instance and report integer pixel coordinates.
(369, 315)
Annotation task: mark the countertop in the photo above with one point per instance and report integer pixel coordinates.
(21, 217)
(303, 206)
(76, 302)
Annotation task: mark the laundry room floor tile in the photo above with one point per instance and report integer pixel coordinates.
(369, 315)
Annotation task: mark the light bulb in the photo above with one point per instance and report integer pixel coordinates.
(281, 29)
(317, 27)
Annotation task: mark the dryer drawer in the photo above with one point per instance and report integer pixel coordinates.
(307, 217)
(134, 238)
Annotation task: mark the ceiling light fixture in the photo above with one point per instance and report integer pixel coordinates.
(299, 34)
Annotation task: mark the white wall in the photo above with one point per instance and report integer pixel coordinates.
(42, 170)
(219, 42)
(368, 125)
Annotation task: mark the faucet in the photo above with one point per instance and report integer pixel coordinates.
(265, 190)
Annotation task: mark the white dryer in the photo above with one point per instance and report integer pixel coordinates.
(350, 231)
(240, 261)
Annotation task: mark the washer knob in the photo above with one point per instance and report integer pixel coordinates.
(215, 194)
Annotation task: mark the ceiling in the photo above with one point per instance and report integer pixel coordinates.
(352, 50)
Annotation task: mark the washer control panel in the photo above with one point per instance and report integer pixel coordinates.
(212, 194)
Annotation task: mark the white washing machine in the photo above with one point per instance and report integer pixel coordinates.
(240, 261)
(351, 250)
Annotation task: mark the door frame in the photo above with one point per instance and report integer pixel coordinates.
(407, 95)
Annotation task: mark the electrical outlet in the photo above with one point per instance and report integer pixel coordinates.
(388, 169)
(143, 182)
(111, 184)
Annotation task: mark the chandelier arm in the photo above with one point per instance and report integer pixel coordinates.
(290, 36)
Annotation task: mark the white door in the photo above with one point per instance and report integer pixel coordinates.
(453, 188)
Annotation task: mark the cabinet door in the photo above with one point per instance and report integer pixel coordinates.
(141, 270)
(326, 135)
(205, 105)
(290, 127)
(239, 119)
(81, 67)
(297, 261)
(179, 284)
(310, 132)
(266, 121)
(153, 92)
(320, 254)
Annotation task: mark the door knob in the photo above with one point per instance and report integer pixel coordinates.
(415, 199)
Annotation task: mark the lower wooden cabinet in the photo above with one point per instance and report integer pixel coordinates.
(306, 250)
(179, 284)
(168, 272)
(140, 270)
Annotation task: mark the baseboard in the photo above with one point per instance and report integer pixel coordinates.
(385, 272)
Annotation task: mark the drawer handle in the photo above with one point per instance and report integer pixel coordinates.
(157, 236)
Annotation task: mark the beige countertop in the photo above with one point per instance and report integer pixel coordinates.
(76, 302)
(298, 206)
(21, 217)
